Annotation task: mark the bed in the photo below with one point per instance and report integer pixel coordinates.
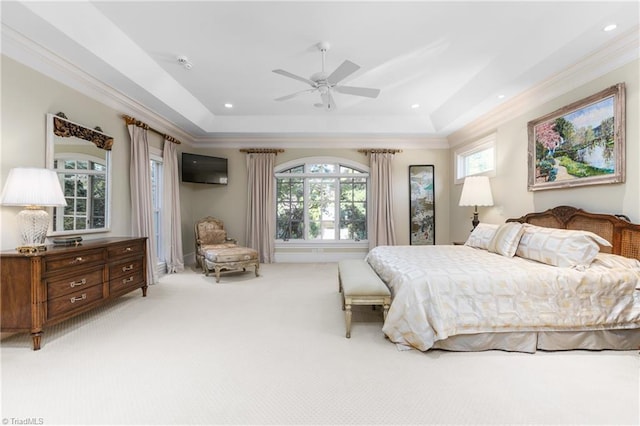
(557, 280)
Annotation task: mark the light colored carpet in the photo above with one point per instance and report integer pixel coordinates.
(271, 350)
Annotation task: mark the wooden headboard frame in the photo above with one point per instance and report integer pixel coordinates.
(623, 235)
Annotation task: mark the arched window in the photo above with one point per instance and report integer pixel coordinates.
(321, 199)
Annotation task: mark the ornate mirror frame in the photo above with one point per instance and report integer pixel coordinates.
(82, 158)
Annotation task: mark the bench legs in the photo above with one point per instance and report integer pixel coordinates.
(347, 302)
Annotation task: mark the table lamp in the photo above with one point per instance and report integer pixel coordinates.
(33, 188)
(476, 191)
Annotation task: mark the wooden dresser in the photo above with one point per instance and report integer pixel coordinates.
(37, 290)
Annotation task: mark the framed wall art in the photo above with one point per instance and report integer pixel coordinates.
(579, 144)
(422, 212)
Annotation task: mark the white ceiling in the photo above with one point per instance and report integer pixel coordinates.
(454, 59)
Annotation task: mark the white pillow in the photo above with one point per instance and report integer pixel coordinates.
(506, 239)
(560, 247)
(616, 261)
(481, 236)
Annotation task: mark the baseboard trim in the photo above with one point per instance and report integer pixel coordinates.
(317, 257)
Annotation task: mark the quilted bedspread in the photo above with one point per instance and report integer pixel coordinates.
(441, 291)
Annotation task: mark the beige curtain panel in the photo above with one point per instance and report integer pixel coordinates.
(261, 220)
(380, 223)
(171, 219)
(141, 206)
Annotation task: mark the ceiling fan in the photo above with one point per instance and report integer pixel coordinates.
(325, 83)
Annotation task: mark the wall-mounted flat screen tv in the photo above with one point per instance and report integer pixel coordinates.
(204, 169)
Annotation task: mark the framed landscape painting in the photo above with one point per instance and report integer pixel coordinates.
(422, 219)
(579, 144)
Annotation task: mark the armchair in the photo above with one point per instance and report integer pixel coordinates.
(216, 252)
(210, 232)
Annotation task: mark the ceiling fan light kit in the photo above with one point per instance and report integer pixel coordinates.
(325, 83)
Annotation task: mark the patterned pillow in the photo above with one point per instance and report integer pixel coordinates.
(506, 239)
(481, 236)
(212, 236)
(560, 247)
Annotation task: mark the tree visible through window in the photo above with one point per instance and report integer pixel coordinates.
(475, 159)
(84, 185)
(321, 201)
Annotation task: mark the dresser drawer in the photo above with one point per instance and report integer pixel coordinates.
(58, 263)
(127, 267)
(126, 282)
(74, 283)
(73, 301)
(121, 251)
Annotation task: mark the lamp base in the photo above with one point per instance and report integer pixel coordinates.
(33, 223)
(475, 220)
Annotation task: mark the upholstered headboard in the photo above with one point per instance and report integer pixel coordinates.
(623, 235)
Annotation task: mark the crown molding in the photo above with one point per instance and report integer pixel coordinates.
(325, 141)
(614, 55)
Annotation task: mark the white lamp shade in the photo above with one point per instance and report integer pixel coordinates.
(476, 191)
(27, 186)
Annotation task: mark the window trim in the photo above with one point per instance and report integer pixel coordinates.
(479, 145)
(72, 156)
(306, 160)
(335, 243)
(156, 154)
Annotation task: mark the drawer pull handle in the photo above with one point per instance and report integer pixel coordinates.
(127, 280)
(75, 283)
(78, 259)
(127, 268)
(127, 249)
(76, 299)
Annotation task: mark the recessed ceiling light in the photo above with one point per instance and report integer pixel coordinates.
(228, 105)
(500, 96)
(610, 27)
(415, 106)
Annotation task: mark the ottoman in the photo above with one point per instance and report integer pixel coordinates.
(229, 257)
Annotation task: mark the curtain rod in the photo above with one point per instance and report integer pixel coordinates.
(379, 151)
(261, 150)
(131, 120)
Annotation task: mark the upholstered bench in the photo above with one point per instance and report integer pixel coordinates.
(228, 257)
(360, 285)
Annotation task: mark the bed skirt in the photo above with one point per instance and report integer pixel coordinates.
(544, 340)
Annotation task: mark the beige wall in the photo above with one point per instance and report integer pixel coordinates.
(27, 96)
(511, 197)
(225, 202)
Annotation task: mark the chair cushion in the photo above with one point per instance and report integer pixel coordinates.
(358, 279)
(206, 247)
(230, 254)
(209, 233)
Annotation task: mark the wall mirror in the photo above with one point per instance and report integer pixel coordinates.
(82, 158)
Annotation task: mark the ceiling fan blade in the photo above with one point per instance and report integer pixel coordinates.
(327, 101)
(358, 91)
(344, 70)
(293, 95)
(296, 77)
